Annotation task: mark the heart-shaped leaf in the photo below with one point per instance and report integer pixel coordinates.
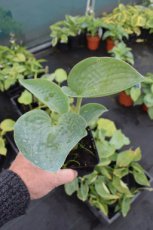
(45, 144)
(97, 77)
(7, 125)
(92, 111)
(49, 93)
(25, 98)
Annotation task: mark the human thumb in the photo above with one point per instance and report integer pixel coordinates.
(64, 176)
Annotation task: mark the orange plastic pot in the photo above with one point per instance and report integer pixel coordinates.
(93, 42)
(110, 44)
(144, 108)
(125, 99)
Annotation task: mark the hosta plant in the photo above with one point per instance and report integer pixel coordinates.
(6, 125)
(131, 17)
(70, 26)
(122, 52)
(17, 63)
(115, 32)
(46, 139)
(117, 178)
(143, 95)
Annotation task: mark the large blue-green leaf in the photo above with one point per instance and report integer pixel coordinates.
(92, 111)
(45, 144)
(49, 93)
(100, 76)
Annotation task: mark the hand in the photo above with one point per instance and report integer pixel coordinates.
(40, 182)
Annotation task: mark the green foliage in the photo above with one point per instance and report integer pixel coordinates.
(60, 75)
(39, 135)
(107, 184)
(122, 52)
(143, 94)
(116, 32)
(131, 18)
(93, 77)
(48, 93)
(92, 24)
(90, 112)
(25, 98)
(62, 30)
(17, 63)
(37, 131)
(6, 125)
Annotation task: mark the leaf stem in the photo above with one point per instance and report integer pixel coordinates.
(78, 104)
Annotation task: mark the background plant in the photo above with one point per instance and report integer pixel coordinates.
(17, 63)
(107, 186)
(71, 26)
(131, 17)
(122, 52)
(143, 95)
(6, 125)
(93, 25)
(115, 32)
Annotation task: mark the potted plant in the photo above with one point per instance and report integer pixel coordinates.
(113, 35)
(60, 35)
(17, 63)
(141, 94)
(130, 17)
(130, 96)
(60, 130)
(92, 26)
(76, 24)
(145, 98)
(118, 178)
(122, 52)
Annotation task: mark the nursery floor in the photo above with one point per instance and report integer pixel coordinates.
(60, 212)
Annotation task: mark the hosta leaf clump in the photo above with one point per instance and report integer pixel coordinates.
(92, 77)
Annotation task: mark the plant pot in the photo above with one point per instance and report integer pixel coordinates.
(110, 44)
(85, 157)
(112, 214)
(13, 89)
(82, 39)
(21, 108)
(74, 42)
(93, 42)
(63, 46)
(125, 99)
(144, 108)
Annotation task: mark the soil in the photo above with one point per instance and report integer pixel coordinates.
(84, 158)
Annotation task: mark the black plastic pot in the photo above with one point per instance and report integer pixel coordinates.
(63, 46)
(112, 214)
(21, 108)
(85, 157)
(13, 90)
(74, 42)
(77, 41)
